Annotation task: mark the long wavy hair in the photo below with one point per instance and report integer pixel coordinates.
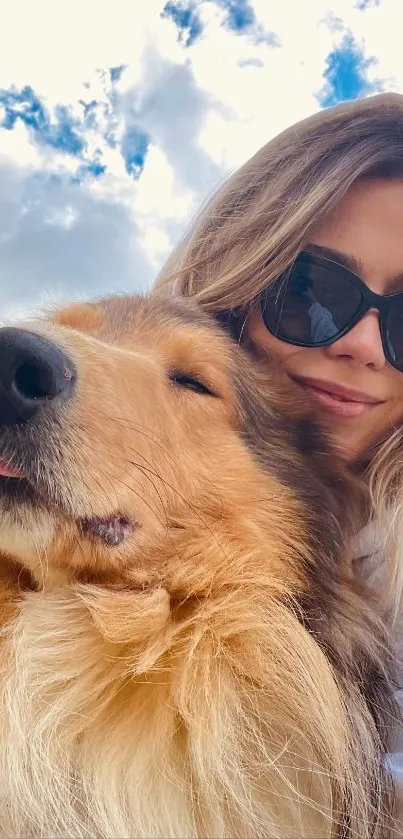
(252, 229)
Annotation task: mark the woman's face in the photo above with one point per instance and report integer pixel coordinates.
(368, 227)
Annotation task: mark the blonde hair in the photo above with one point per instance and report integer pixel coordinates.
(254, 226)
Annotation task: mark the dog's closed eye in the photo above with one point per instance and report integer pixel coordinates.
(190, 382)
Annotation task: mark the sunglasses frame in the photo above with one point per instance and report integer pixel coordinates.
(369, 300)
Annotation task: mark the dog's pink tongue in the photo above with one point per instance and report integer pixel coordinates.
(7, 471)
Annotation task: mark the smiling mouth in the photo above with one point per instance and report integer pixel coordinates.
(341, 401)
(15, 489)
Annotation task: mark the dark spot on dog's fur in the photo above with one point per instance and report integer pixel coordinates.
(112, 530)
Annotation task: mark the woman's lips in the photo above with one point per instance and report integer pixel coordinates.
(342, 401)
(7, 471)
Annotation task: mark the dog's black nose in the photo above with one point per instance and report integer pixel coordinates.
(33, 371)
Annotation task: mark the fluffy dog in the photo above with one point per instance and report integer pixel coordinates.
(184, 651)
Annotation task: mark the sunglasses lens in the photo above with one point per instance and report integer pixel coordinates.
(393, 334)
(310, 305)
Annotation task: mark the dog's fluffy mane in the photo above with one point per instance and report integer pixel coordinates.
(206, 695)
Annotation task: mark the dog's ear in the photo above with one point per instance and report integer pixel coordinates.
(85, 317)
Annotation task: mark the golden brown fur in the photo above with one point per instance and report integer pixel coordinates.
(217, 673)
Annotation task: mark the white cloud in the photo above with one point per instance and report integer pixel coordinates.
(17, 145)
(63, 242)
(57, 47)
(64, 217)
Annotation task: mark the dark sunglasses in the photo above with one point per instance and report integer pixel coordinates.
(318, 301)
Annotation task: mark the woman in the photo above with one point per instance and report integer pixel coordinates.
(331, 189)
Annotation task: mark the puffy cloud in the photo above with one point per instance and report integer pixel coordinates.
(60, 242)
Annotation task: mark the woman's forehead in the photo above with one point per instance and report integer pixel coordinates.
(363, 232)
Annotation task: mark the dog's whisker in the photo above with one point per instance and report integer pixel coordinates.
(143, 501)
(137, 428)
(203, 521)
(149, 475)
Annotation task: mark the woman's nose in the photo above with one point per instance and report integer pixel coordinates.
(362, 345)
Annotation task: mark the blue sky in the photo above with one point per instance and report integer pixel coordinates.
(118, 120)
